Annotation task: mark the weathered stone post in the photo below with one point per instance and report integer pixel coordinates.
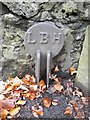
(82, 78)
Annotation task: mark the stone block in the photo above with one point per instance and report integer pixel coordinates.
(82, 78)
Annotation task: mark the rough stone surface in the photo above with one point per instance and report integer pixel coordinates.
(25, 9)
(13, 50)
(82, 79)
(10, 18)
(66, 12)
(17, 17)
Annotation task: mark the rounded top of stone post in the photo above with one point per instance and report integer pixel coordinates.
(44, 36)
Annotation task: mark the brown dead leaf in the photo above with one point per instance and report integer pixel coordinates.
(7, 104)
(32, 79)
(38, 94)
(17, 93)
(32, 95)
(21, 102)
(78, 92)
(26, 94)
(33, 86)
(27, 76)
(10, 88)
(38, 109)
(68, 111)
(43, 88)
(85, 100)
(14, 111)
(28, 79)
(47, 102)
(42, 85)
(2, 97)
(4, 113)
(22, 87)
(35, 114)
(80, 114)
(75, 105)
(16, 84)
(26, 82)
(16, 80)
(2, 86)
(58, 79)
(72, 71)
(7, 85)
(59, 87)
(56, 69)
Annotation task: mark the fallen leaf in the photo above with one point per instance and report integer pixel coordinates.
(43, 88)
(4, 113)
(16, 84)
(69, 83)
(72, 71)
(32, 95)
(55, 102)
(77, 92)
(84, 100)
(22, 87)
(2, 86)
(59, 87)
(80, 114)
(42, 85)
(68, 111)
(75, 105)
(27, 77)
(26, 94)
(9, 117)
(17, 80)
(47, 102)
(2, 97)
(32, 79)
(17, 93)
(33, 86)
(26, 82)
(7, 85)
(14, 111)
(21, 102)
(38, 94)
(58, 79)
(52, 76)
(56, 69)
(37, 109)
(35, 114)
(8, 89)
(7, 104)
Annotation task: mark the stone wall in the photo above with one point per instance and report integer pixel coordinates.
(17, 17)
(82, 78)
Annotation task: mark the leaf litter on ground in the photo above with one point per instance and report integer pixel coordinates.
(15, 92)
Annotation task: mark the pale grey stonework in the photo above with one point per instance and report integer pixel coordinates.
(17, 17)
(82, 79)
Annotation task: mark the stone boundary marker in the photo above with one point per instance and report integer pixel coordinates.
(43, 41)
(82, 78)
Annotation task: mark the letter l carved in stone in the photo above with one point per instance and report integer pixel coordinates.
(30, 41)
